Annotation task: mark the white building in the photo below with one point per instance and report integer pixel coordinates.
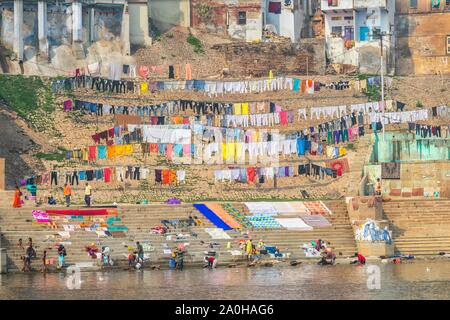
(289, 18)
(351, 33)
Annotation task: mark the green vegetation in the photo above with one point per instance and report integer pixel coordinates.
(31, 98)
(59, 155)
(196, 43)
(419, 104)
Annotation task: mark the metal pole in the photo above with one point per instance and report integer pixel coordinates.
(382, 83)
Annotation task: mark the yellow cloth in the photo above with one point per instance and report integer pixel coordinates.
(85, 154)
(119, 150)
(244, 108)
(231, 150)
(237, 107)
(128, 149)
(224, 151)
(255, 136)
(342, 151)
(144, 87)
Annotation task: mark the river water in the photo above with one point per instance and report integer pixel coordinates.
(415, 280)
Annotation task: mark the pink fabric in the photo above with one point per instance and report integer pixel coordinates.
(186, 149)
(169, 151)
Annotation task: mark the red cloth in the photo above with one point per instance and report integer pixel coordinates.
(275, 7)
(92, 152)
(111, 133)
(251, 173)
(79, 212)
(144, 71)
(361, 259)
(107, 173)
(153, 148)
(340, 165)
(166, 176)
(154, 120)
(283, 117)
(96, 138)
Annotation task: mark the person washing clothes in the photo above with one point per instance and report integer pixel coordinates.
(360, 259)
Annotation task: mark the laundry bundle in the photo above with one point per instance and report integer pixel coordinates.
(169, 176)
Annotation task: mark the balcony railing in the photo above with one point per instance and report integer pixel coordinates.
(330, 5)
(370, 3)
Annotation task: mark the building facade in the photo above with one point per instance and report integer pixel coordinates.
(290, 18)
(31, 27)
(423, 37)
(240, 19)
(352, 33)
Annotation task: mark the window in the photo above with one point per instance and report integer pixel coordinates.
(448, 45)
(413, 4)
(348, 18)
(336, 31)
(242, 18)
(336, 18)
(435, 4)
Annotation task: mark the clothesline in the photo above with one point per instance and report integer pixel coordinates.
(263, 174)
(105, 174)
(210, 87)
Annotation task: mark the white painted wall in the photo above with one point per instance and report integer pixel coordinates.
(289, 23)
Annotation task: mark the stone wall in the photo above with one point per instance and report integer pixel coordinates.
(421, 43)
(222, 17)
(2, 174)
(282, 58)
(166, 14)
(416, 179)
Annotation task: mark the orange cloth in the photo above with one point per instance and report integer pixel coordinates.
(67, 190)
(303, 86)
(173, 176)
(110, 152)
(222, 214)
(177, 120)
(166, 176)
(188, 72)
(16, 200)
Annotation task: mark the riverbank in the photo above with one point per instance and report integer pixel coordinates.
(416, 280)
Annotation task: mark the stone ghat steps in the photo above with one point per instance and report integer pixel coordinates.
(419, 227)
(140, 220)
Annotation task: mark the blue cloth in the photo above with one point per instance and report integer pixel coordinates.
(296, 85)
(189, 84)
(101, 150)
(82, 175)
(301, 146)
(161, 149)
(211, 216)
(178, 150)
